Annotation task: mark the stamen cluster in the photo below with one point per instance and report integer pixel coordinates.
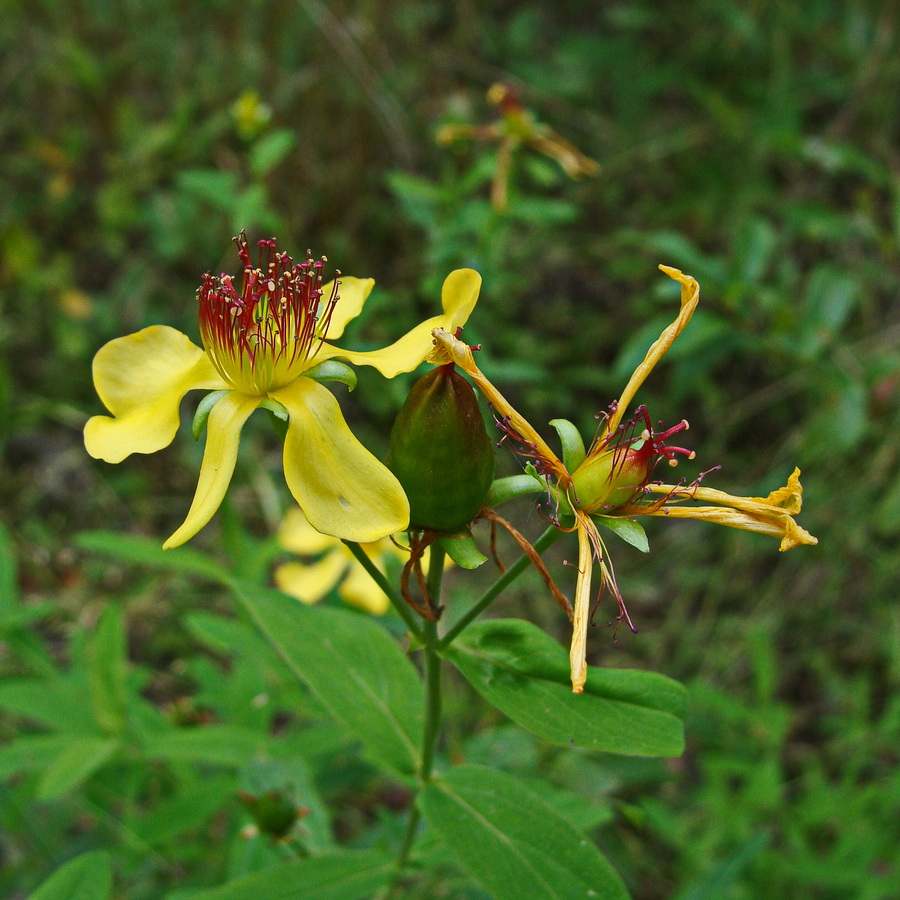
(261, 337)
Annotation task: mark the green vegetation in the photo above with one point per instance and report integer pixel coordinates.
(145, 720)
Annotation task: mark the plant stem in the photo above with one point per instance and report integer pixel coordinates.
(488, 597)
(432, 728)
(397, 601)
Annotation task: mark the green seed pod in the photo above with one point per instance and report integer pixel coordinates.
(441, 453)
(610, 479)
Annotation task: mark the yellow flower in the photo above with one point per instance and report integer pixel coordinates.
(262, 343)
(334, 565)
(610, 483)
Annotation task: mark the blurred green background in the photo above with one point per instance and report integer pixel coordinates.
(754, 145)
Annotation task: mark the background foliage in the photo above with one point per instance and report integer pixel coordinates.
(753, 145)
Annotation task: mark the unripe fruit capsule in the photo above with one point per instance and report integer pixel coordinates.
(441, 452)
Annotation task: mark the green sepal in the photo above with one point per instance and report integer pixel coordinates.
(275, 408)
(629, 530)
(203, 410)
(279, 415)
(572, 443)
(332, 370)
(462, 549)
(513, 486)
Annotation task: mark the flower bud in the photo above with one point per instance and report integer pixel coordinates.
(441, 453)
(274, 813)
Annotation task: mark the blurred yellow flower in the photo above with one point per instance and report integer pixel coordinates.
(610, 482)
(333, 565)
(263, 344)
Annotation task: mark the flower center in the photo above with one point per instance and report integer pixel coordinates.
(618, 468)
(263, 337)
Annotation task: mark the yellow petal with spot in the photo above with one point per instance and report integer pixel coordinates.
(341, 487)
(141, 379)
(296, 535)
(223, 434)
(458, 298)
(353, 293)
(309, 583)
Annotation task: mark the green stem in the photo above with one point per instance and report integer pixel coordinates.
(432, 727)
(488, 597)
(397, 601)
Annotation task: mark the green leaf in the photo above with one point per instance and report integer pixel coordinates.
(629, 530)
(513, 486)
(349, 875)
(525, 674)
(512, 841)
(188, 810)
(87, 877)
(149, 552)
(463, 550)
(9, 587)
(354, 668)
(572, 443)
(74, 765)
(59, 701)
(223, 745)
(270, 150)
(31, 751)
(106, 671)
(333, 370)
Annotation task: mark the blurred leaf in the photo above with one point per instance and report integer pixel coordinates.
(525, 674)
(87, 877)
(512, 841)
(349, 875)
(106, 671)
(270, 150)
(60, 702)
(9, 587)
(31, 751)
(149, 552)
(755, 244)
(188, 810)
(74, 765)
(354, 668)
(223, 745)
(830, 298)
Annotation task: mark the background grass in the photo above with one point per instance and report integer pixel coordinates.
(753, 145)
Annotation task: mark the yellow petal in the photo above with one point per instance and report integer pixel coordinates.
(341, 487)
(578, 650)
(690, 296)
(141, 379)
(223, 434)
(780, 526)
(310, 583)
(296, 535)
(454, 350)
(353, 292)
(359, 590)
(458, 297)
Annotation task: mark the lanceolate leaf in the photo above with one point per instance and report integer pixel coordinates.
(512, 841)
(87, 877)
(525, 674)
(350, 875)
(353, 666)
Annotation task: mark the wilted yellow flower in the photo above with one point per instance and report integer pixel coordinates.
(517, 127)
(265, 343)
(610, 482)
